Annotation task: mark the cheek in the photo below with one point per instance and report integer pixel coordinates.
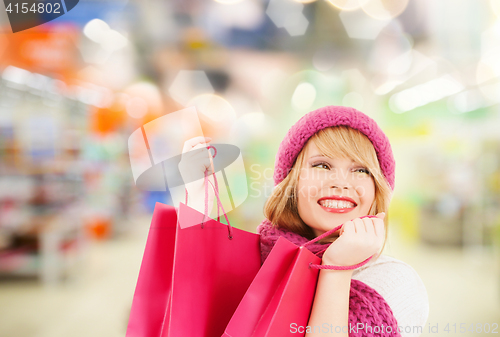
(303, 190)
(370, 196)
(304, 195)
(366, 191)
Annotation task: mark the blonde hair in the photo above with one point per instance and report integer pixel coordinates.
(281, 207)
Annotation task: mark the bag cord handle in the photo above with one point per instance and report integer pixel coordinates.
(320, 266)
(219, 203)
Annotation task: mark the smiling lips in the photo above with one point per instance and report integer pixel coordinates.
(337, 204)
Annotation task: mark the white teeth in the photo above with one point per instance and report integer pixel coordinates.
(336, 204)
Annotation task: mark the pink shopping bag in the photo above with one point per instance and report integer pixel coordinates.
(281, 295)
(191, 278)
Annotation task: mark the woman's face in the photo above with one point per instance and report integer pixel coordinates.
(324, 180)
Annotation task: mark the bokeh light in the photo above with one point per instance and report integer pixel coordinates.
(353, 99)
(360, 25)
(216, 108)
(425, 93)
(347, 5)
(384, 9)
(303, 96)
(137, 107)
(189, 84)
(100, 32)
(288, 14)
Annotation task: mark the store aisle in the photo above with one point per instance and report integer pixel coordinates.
(461, 289)
(95, 303)
(463, 285)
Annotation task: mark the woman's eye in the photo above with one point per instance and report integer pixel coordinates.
(321, 164)
(363, 170)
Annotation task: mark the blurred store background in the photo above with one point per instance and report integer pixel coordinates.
(73, 224)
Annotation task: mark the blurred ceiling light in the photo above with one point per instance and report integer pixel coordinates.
(491, 92)
(305, 1)
(387, 87)
(100, 32)
(189, 84)
(419, 64)
(354, 100)
(303, 96)
(495, 5)
(424, 94)
(466, 101)
(214, 107)
(360, 25)
(288, 14)
(137, 107)
(347, 5)
(384, 9)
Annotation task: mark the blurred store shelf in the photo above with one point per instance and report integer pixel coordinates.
(95, 301)
(463, 284)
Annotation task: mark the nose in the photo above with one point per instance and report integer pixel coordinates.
(340, 181)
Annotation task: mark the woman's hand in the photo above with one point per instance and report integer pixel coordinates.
(192, 166)
(359, 239)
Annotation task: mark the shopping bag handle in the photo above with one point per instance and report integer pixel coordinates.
(320, 266)
(216, 192)
(206, 191)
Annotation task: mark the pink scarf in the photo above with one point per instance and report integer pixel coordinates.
(366, 306)
(269, 234)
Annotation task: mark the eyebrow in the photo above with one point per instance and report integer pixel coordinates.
(320, 155)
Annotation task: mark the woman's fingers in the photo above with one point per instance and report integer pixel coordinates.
(191, 143)
(196, 159)
(369, 225)
(365, 225)
(348, 227)
(360, 225)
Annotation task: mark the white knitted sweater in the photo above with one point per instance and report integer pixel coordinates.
(401, 287)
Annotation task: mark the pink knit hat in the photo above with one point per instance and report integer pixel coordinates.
(326, 117)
